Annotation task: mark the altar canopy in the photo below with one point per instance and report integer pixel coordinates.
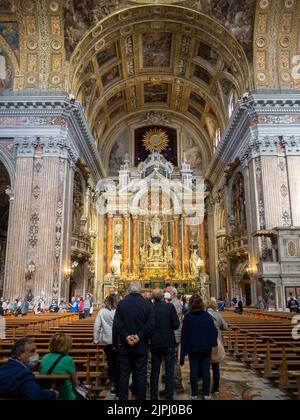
(154, 220)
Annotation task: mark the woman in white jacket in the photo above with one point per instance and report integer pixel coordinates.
(103, 334)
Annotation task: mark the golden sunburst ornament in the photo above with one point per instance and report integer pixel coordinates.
(156, 140)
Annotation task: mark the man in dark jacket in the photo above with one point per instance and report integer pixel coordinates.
(16, 378)
(133, 325)
(163, 344)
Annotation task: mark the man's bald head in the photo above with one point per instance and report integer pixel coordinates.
(158, 295)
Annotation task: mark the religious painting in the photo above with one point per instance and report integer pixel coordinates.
(227, 86)
(141, 151)
(208, 54)
(111, 76)
(202, 74)
(237, 16)
(81, 15)
(6, 73)
(10, 32)
(118, 111)
(197, 99)
(156, 93)
(195, 112)
(115, 99)
(117, 154)
(193, 154)
(107, 55)
(157, 49)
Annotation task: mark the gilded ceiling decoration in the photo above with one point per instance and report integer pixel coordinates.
(237, 16)
(158, 57)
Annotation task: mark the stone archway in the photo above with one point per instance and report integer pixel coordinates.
(4, 217)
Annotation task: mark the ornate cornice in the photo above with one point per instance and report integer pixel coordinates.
(49, 111)
(261, 124)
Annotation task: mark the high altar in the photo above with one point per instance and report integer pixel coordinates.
(155, 225)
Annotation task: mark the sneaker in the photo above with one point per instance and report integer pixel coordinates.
(193, 398)
(215, 392)
(206, 397)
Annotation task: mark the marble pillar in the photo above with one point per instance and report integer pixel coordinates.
(109, 243)
(40, 219)
(202, 245)
(135, 244)
(186, 246)
(126, 244)
(176, 246)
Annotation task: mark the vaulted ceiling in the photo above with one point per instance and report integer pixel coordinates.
(158, 58)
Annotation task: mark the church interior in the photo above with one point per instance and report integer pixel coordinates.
(159, 142)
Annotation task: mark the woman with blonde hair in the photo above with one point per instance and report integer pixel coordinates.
(58, 362)
(221, 325)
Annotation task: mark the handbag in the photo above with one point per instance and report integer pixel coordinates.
(218, 354)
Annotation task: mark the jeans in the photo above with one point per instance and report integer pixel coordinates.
(168, 355)
(177, 371)
(200, 361)
(216, 376)
(133, 360)
(112, 364)
(87, 313)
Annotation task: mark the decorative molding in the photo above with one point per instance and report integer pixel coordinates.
(34, 230)
(51, 111)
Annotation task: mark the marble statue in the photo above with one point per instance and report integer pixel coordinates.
(196, 263)
(116, 263)
(156, 227)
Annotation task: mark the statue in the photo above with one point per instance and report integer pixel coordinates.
(3, 74)
(169, 254)
(156, 227)
(144, 255)
(116, 263)
(196, 263)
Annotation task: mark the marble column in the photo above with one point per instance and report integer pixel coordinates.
(165, 234)
(202, 244)
(176, 245)
(135, 244)
(109, 243)
(186, 246)
(40, 219)
(126, 244)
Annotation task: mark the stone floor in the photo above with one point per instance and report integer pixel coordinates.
(237, 383)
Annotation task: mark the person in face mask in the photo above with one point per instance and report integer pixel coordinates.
(16, 378)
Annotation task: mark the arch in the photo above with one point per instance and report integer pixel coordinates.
(114, 51)
(8, 162)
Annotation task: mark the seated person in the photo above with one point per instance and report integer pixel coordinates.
(58, 362)
(16, 378)
(53, 307)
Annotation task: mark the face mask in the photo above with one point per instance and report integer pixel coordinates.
(33, 361)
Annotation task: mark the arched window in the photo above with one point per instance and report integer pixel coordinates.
(232, 101)
(218, 137)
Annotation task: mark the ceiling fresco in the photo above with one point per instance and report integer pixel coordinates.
(237, 16)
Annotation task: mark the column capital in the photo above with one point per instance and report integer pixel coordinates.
(25, 146)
